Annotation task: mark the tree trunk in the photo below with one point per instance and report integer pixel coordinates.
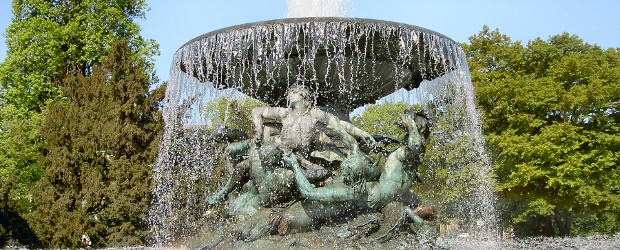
(564, 226)
(548, 231)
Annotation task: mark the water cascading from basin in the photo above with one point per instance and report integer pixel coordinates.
(348, 63)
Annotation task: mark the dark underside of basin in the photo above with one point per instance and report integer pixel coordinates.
(348, 62)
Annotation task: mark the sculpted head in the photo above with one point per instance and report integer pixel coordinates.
(269, 154)
(299, 97)
(412, 117)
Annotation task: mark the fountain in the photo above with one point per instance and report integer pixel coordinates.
(345, 64)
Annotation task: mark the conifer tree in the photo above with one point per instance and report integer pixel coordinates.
(47, 42)
(100, 142)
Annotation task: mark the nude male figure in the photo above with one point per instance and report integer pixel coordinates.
(302, 125)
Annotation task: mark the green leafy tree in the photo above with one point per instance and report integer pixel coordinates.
(100, 142)
(234, 113)
(48, 41)
(451, 167)
(19, 147)
(551, 115)
(20, 143)
(378, 119)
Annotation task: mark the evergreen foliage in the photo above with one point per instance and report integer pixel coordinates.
(552, 117)
(100, 142)
(47, 42)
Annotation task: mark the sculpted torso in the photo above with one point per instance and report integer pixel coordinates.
(274, 184)
(299, 131)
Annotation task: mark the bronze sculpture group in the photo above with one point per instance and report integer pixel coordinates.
(290, 165)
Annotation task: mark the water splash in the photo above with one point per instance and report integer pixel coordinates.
(317, 8)
(349, 63)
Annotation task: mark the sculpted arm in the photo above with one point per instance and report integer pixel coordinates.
(261, 113)
(307, 190)
(414, 141)
(358, 133)
(335, 124)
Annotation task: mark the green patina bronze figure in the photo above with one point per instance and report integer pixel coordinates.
(309, 131)
(356, 192)
(361, 189)
(304, 131)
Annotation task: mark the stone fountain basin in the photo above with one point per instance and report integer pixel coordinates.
(347, 62)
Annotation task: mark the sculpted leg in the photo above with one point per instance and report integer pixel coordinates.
(295, 220)
(270, 221)
(212, 240)
(245, 205)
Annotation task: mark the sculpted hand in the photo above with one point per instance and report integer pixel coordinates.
(406, 121)
(258, 138)
(370, 142)
(215, 199)
(217, 134)
(290, 159)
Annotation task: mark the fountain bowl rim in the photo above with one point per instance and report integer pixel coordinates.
(314, 19)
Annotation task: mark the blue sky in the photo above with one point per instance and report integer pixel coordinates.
(173, 23)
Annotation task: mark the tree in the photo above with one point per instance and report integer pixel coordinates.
(552, 117)
(453, 169)
(19, 146)
(378, 119)
(100, 142)
(234, 113)
(47, 42)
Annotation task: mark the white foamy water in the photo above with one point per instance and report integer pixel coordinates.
(318, 8)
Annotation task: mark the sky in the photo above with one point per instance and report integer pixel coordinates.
(173, 23)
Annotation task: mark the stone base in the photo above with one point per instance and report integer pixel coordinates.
(332, 237)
